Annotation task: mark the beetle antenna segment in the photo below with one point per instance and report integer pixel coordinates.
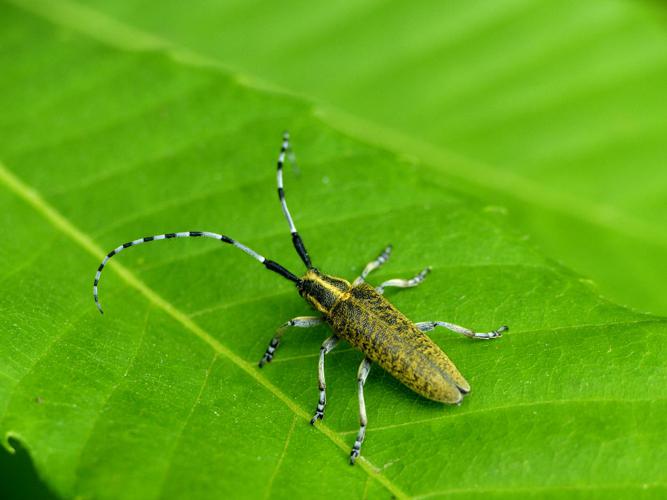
(296, 239)
(269, 264)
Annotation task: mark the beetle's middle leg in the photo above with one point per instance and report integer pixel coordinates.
(400, 283)
(326, 348)
(373, 265)
(299, 321)
(427, 326)
(362, 374)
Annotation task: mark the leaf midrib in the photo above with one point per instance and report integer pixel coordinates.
(33, 198)
(108, 30)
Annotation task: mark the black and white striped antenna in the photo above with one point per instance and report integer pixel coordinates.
(269, 264)
(296, 239)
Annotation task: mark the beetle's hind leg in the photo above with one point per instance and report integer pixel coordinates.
(373, 265)
(299, 321)
(362, 374)
(427, 326)
(400, 283)
(326, 348)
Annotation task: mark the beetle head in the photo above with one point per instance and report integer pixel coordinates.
(322, 290)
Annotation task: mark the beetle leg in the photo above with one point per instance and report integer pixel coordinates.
(326, 348)
(373, 265)
(399, 283)
(299, 321)
(362, 374)
(427, 326)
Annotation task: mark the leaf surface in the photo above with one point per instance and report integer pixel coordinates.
(161, 397)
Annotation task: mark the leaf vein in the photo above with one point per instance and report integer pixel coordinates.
(269, 486)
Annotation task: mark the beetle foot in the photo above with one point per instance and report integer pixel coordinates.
(268, 354)
(356, 449)
(319, 411)
(319, 415)
(265, 359)
(354, 454)
(499, 332)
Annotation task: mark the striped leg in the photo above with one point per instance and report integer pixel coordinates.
(269, 264)
(326, 348)
(427, 326)
(399, 283)
(300, 322)
(373, 265)
(362, 374)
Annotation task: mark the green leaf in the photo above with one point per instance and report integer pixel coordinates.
(161, 397)
(554, 107)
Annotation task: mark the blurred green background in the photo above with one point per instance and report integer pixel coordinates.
(552, 111)
(555, 109)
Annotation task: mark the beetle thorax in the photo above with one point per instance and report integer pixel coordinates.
(321, 290)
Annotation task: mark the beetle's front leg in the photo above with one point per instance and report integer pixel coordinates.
(427, 326)
(326, 348)
(299, 321)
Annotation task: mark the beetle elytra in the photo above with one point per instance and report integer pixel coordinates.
(357, 313)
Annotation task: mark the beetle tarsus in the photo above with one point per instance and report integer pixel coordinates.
(319, 415)
(265, 359)
(268, 354)
(499, 332)
(356, 451)
(321, 404)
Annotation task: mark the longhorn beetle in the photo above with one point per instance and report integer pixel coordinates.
(358, 313)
